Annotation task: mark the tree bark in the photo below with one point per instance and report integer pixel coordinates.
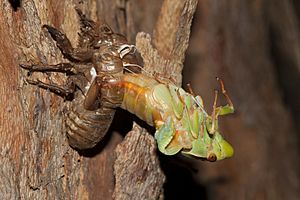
(36, 160)
(35, 156)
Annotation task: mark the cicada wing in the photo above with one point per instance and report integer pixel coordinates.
(164, 136)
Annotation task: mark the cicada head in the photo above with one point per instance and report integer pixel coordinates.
(220, 147)
(210, 147)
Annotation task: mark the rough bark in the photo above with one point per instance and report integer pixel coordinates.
(142, 179)
(36, 160)
(136, 167)
(35, 156)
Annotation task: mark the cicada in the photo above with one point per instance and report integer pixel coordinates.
(181, 122)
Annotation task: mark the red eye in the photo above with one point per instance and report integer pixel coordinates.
(212, 157)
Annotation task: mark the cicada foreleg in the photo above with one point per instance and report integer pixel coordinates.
(214, 115)
(65, 46)
(86, 25)
(91, 100)
(102, 89)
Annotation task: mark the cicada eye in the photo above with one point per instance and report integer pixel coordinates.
(212, 157)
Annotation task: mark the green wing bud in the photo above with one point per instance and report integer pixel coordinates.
(164, 136)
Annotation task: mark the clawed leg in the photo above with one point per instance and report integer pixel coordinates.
(64, 44)
(66, 92)
(61, 67)
(90, 27)
(92, 34)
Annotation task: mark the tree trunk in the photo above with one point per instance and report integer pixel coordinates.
(36, 160)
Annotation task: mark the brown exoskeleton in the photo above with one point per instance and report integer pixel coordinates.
(95, 71)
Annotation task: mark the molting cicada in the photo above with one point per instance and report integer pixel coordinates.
(100, 80)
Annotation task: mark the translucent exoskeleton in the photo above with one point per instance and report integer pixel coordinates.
(94, 71)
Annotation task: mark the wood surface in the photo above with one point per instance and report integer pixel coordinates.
(36, 160)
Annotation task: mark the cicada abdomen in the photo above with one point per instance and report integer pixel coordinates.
(181, 122)
(95, 71)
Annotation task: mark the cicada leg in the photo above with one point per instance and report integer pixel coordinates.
(91, 97)
(105, 91)
(86, 25)
(61, 67)
(229, 108)
(214, 115)
(197, 98)
(65, 46)
(221, 110)
(66, 91)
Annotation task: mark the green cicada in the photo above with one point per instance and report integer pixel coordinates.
(179, 117)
